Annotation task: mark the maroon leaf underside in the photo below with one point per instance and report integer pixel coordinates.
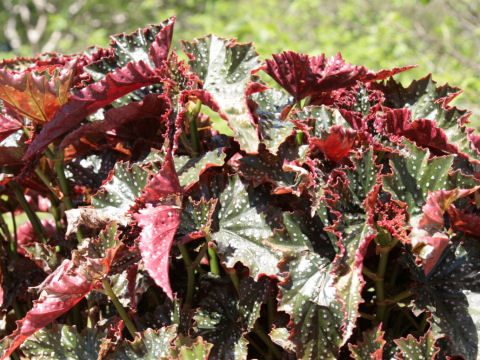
(152, 107)
(92, 98)
(423, 132)
(430, 230)
(8, 126)
(160, 47)
(302, 76)
(60, 291)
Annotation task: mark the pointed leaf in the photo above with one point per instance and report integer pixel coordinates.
(198, 350)
(316, 316)
(371, 347)
(149, 45)
(189, 169)
(63, 342)
(243, 231)
(225, 67)
(150, 345)
(273, 129)
(411, 349)
(196, 218)
(60, 291)
(414, 174)
(224, 318)
(118, 194)
(451, 293)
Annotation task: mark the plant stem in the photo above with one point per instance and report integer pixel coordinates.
(12, 245)
(399, 297)
(45, 180)
(299, 137)
(121, 311)
(64, 187)
(257, 329)
(214, 268)
(369, 273)
(379, 285)
(190, 273)
(235, 281)
(36, 224)
(193, 126)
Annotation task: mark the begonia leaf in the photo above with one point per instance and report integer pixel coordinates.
(225, 68)
(242, 232)
(149, 345)
(414, 174)
(189, 169)
(354, 232)
(59, 292)
(149, 45)
(274, 130)
(35, 96)
(200, 349)
(152, 110)
(309, 298)
(225, 317)
(159, 223)
(197, 218)
(92, 98)
(451, 293)
(44, 255)
(63, 342)
(8, 125)
(118, 194)
(371, 347)
(413, 349)
(429, 238)
(302, 75)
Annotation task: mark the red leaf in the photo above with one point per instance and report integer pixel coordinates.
(60, 291)
(464, 221)
(26, 235)
(152, 107)
(164, 183)
(423, 131)
(304, 76)
(335, 145)
(160, 47)
(159, 223)
(92, 98)
(8, 125)
(428, 238)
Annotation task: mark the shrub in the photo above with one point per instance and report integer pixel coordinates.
(200, 213)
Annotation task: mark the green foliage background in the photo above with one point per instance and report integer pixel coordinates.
(441, 36)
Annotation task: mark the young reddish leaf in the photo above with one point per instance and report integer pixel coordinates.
(34, 96)
(335, 145)
(91, 98)
(60, 291)
(413, 349)
(26, 234)
(159, 223)
(304, 76)
(429, 237)
(8, 125)
(371, 347)
(225, 68)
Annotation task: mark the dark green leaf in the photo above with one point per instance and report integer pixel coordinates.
(63, 342)
(189, 169)
(243, 231)
(310, 299)
(411, 349)
(371, 347)
(120, 192)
